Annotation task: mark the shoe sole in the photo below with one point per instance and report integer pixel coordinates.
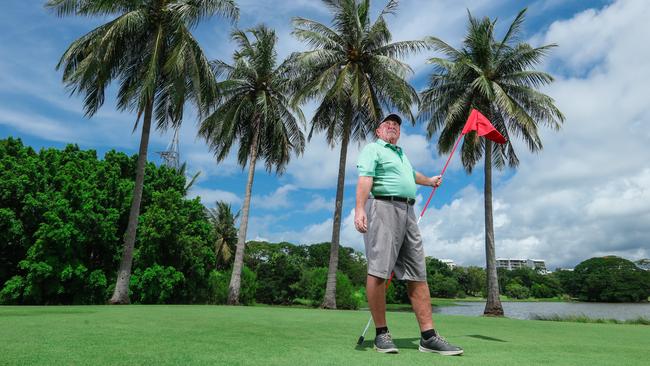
(386, 350)
(444, 353)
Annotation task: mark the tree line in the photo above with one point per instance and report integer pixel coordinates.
(62, 213)
(351, 70)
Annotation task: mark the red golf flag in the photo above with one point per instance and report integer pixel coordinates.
(479, 123)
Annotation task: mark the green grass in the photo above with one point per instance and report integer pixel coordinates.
(221, 335)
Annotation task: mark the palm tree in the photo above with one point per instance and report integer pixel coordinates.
(255, 112)
(223, 224)
(148, 47)
(354, 72)
(497, 78)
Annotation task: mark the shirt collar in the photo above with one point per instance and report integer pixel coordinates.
(388, 144)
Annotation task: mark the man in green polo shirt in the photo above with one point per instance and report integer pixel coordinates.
(391, 235)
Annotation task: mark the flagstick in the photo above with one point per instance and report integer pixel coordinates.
(441, 174)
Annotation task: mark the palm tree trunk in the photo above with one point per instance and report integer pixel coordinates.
(235, 278)
(493, 305)
(121, 292)
(329, 302)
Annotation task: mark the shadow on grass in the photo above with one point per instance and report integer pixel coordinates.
(401, 343)
(486, 338)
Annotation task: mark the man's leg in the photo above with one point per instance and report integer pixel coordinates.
(430, 341)
(421, 302)
(376, 291)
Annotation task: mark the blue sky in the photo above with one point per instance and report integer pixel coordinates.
(585, 194)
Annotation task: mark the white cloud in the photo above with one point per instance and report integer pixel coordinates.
(586, 193)
(319, 203)
(279, 199)
(210, 196)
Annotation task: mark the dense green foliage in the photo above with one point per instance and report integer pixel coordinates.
(610, 279)
(287, 272)
(526, 282)
(64, 212)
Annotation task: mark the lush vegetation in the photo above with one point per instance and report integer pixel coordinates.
(63, 215)
(229, 335)
(63, 212)
(607, 279)
(148, 48)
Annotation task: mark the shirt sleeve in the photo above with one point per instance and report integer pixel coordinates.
(367, 162)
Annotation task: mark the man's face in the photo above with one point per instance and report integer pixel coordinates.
(389, 131)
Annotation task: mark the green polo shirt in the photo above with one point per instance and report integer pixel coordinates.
(391, 170)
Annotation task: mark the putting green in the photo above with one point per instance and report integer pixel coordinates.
(221, 335)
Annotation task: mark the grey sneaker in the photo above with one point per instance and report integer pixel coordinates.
(384, 344)
(437, 344)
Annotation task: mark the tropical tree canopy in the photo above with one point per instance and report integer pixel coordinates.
(352, 65)
(497, 78)
(148, 47)
(225, 232)
(254, 105)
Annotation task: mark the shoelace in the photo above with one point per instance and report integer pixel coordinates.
(441, 339)
(385, 337)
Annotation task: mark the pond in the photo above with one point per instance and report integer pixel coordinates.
(526, 310)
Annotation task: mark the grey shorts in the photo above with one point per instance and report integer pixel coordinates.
(393, 241)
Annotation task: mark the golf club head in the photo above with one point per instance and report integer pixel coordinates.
(360, 341)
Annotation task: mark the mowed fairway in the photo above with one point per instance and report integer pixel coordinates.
(222, 335)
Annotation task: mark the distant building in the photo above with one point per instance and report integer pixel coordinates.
(644, 264)
(514, 263)
(449, 262)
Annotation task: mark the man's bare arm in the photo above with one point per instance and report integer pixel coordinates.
(364, 185)
(423, 180)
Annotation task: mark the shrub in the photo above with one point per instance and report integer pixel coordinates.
(345, 294)
(12, 292)
(312, 286)
(157, 285)
(442, 286)
(219, 282)
(517, 291)
(542, 291)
